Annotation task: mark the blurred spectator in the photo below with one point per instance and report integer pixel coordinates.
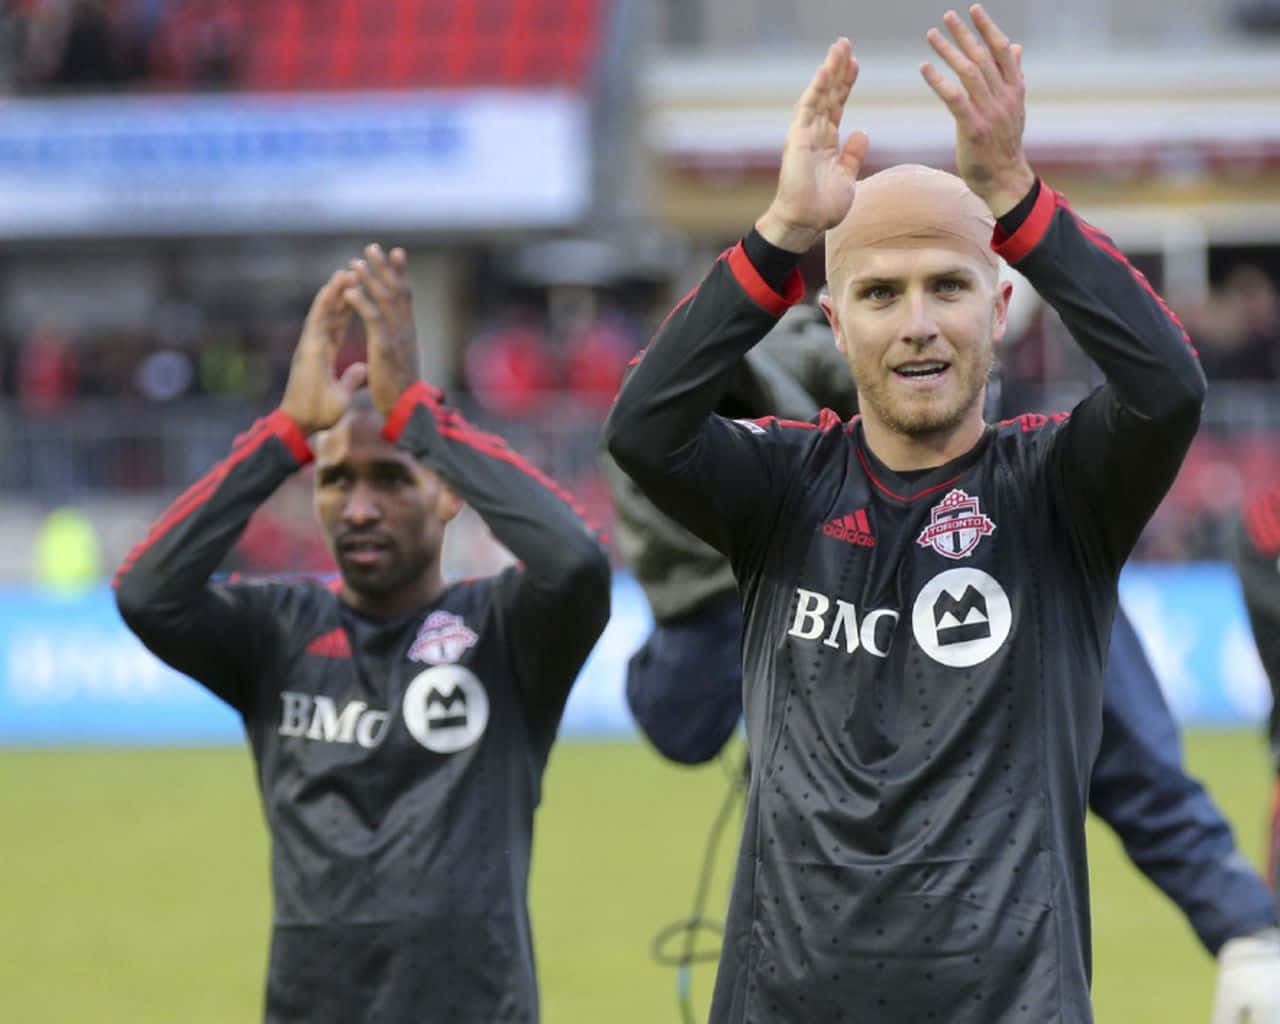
(225, 371)
(1237, 327)
(46, 372)
(67, 43)
(594, 345)
(198, 44)
(510, 367)
(283, 535)
(163, 375)
(67, 556)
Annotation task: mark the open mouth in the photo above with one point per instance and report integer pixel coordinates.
(926, 370)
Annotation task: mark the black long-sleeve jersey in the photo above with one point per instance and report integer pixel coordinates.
(1257, 561)
(922, 654)
(399, 762)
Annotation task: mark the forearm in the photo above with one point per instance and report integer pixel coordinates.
(187, 543)
(527, 511)
(1110, 309)
(1177, 838)
(163, 589)
(685, 370)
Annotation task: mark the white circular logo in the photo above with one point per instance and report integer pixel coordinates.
(961, 617)
(446, 708)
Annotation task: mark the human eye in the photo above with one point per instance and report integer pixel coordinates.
(330, 476)
(390, 475)
(876, 292)
(951, 285)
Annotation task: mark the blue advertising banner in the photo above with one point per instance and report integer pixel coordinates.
(71, 673)
(158, 165)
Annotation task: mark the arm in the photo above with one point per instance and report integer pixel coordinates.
(210, 630)
(1123, 446)
(560, 601)
(1171, 828)
(1257, 562)
(707, 472)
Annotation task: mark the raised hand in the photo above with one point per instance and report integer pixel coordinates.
(314, 396)
(989, 107)
(818, 174)
(380, 295)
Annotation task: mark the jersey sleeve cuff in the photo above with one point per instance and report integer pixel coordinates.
(758, 289)
(1014, 247)
(417, 392)
(283, 426)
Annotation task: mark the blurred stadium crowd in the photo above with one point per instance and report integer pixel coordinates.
(128, 363)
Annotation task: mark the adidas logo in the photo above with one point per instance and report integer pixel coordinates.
(855, 528)
(333, 644)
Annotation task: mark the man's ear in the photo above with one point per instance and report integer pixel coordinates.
(448, 504)
(1000, 322)
(833, 318)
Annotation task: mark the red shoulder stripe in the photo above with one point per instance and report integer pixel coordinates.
(274, 425)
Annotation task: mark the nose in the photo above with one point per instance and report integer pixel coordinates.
(918, 327)
(362, 506)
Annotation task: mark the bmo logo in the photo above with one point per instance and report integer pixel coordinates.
(446, 708)
(961, 617)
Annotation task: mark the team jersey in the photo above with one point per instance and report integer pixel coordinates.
(399, 762)
(1257, 560)
(922, 653)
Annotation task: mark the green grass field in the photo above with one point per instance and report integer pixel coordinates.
(134, 887)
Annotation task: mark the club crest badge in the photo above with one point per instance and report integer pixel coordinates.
(442, 639)
(956, 526)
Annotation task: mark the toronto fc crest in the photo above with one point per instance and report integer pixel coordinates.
(442, 639)
(956, 525)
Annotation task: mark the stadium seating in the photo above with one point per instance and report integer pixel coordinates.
(291, 45)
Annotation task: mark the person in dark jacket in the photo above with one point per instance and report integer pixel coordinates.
(400, 723)
(1257, 561)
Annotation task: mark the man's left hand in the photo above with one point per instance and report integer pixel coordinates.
(382, 299)
(989, 107)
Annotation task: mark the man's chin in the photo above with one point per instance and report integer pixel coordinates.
(370, 581)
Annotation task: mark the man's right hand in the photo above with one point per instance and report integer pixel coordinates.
(818, 174)
(315, 397)
(380, 295)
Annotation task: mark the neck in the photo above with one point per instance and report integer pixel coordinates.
(904, 453)
(401, 601)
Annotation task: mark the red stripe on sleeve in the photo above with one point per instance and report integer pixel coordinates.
(398, 418)
(291, 434)
(450, 424)
(756, 287)
(1013, 247)
(275, 425)
(453, 426)
(1262, 524)
(1100, 238)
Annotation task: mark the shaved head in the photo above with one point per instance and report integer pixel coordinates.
(910, 206)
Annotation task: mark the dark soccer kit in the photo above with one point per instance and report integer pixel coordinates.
(923, 653)
(1257, 560)
(399, 762)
